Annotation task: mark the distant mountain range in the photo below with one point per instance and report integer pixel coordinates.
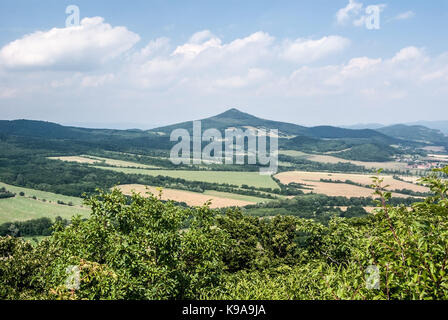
(441, 126)
(437, 125)
(379, 144)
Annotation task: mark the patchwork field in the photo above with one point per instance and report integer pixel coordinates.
(313, 180)
(99, 160)
(391, 165)
(218, 199)
(230, 177)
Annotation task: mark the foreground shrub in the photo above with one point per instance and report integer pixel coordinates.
(144, 248)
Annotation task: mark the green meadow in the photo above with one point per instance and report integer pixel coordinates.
(49, 196)
(231, 177)
(22, 208)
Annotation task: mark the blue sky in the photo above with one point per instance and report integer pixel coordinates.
(146, 63)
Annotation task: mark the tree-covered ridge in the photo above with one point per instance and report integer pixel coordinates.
(365, 144)
(143, 248)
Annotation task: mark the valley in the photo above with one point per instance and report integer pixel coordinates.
(60, 164)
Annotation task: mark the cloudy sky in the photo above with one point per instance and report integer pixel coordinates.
(148, 63)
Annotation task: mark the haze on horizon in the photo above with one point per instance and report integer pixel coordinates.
(154, 63)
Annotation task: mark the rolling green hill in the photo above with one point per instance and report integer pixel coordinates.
(374, 145)
(238, 119)
(415, 133)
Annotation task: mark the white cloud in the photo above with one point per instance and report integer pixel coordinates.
(404, 15)
(354, 12)
(305, 51)
(352, 9)
(154, 47)
(408, 54)
(199, 42)
(361, 21)
(91, 43)
(253, 76)
(97, 81)
(258, 69)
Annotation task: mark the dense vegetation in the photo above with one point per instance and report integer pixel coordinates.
(34, 227)
(4, 194)
(139, 248)
(320, 207)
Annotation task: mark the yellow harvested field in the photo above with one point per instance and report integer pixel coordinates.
(391, 165)
(77, 159)
(368, 209)
(100, 160)
(313, 180)
(190, 198)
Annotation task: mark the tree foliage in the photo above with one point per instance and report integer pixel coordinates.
(143, 248)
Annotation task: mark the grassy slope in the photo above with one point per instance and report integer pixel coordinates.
(49, 196)
(231, 177)
(25, 208)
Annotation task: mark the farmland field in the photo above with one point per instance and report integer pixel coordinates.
(231, 177)
(391, 165)
(23, 208)
(313, 180)
(218, 199)
(99, 160)
(40, 195)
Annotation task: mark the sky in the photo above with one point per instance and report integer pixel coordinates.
(142, 64)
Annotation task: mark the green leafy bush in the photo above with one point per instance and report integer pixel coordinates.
(144, 248)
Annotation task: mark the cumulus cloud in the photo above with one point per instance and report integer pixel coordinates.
(352, 9)
(206, 71)
(91, 43)
(305, 51)
(199, 42)
(408, 54)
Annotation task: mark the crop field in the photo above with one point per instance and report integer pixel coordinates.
(313, 180)
(391, 165)
(41, 195)
(218, 199)
(231, 177)
(24, 208)
(21, 208)
(368, 209)
(99, 160)
(294, 153)
(235, 196)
